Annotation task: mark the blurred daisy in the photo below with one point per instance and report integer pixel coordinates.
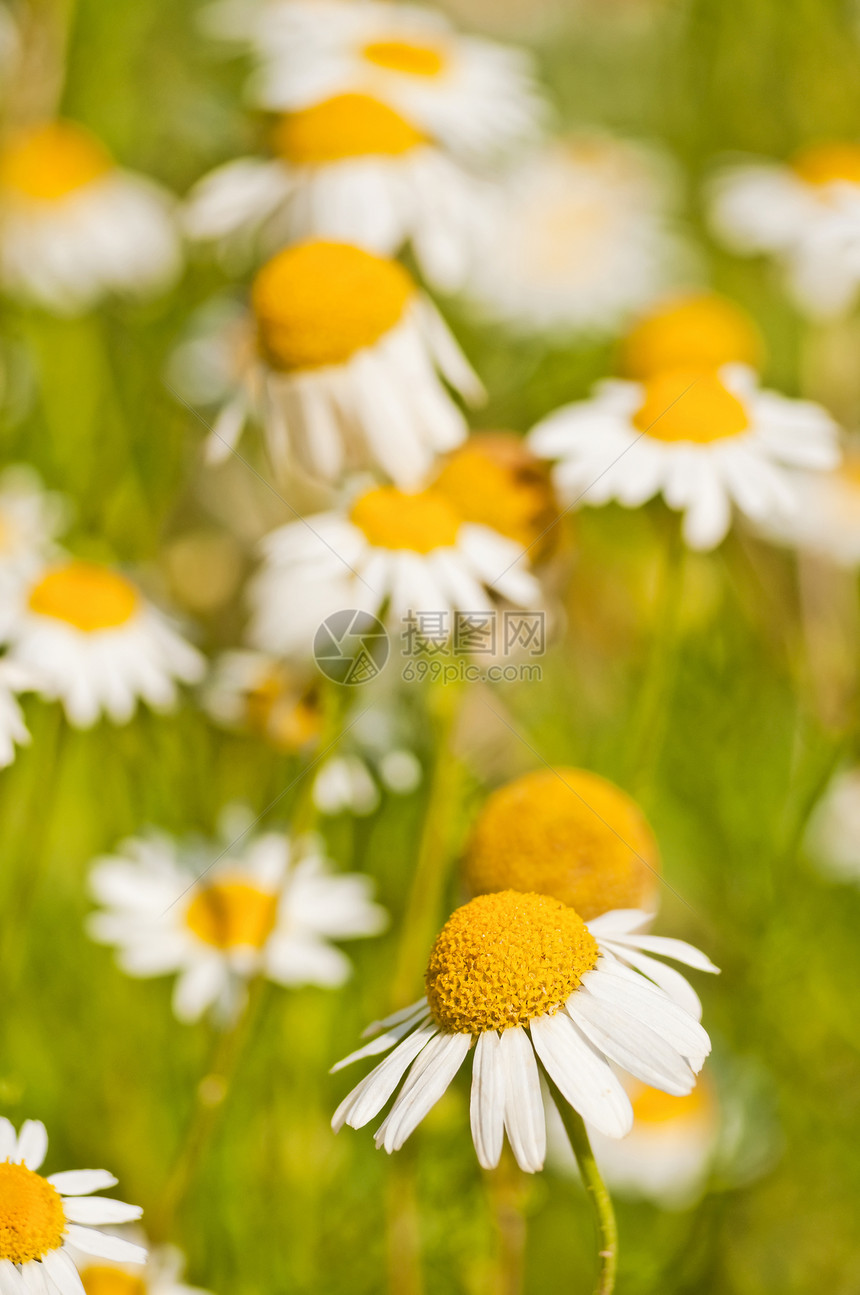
(827, 519)
(257, 693)
(526, 982)
(41, 1218)
(31, 519)
(97, 645)
(581, 241)
(76, 227)
(342, 367)
(161, 1274)
(833, 836)
(376, 759)
(270, 908)
(690, 330)
(472, 95)
(350, 168)
(805, 213)
(13, 730)
(704, 440)
(407, 556)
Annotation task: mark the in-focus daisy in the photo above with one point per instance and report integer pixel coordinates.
(77, 227)
(526, 983)
(97, 645)
(41, 1218)
(805, 213)
(690, 330)
(13, 730)
(393, 553)
(833, 836)
(352, 169)
(567, 833)
(161, 1274)
(257, 693)
(475, 96)
(582, 240)
(343, 367)
(826, 521)
(270, 907)
(702, 439)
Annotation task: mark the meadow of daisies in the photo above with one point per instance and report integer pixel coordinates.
(429, 532)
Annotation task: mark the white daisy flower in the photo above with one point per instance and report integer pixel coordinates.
(410, 557)
(528, 984)
(257, 693)
(581, 241)
(474, 96)
(270, 908)
(97, 645)
(161, 1274)
(826, 521)
(31, 518)
(41, 1218)
(833, 836)
(13, 730)
(806, 214)
(351, 169)
(76, 227)
(704, 440)
(340, 364)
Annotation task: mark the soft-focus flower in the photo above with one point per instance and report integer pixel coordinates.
(271, 908)
(826, 521)
(13, 730)
(525, 981)
(77, 227)
(161, 1274)
(31, 519)
(257, 693)
(567, 833)
(372, 756)
(805, 213)
(477, 97)
(582, 240)
(351, 169)
(833, 836)
(702, 439)
(41, 1218)
(342, 367)
(690, 330)
(393, 552)
(97, 645)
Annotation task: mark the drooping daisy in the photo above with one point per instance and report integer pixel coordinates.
(583, 239)
(805, 213)
(76, 227)
(270, 907)
(702, 439)
(343, 366)
(352, 169)
(523, 980)
(13, 730)
(410, 556)
(477, 97)
(826, 521)
(40, 1218)
(97, 645)
(161, 1274)
(690, 330)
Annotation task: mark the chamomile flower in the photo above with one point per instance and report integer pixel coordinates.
(372, 757)
(705, 440)
(474, 96)
(526, 983)
(582, 240)
(690, 330)
(161, 1274)
(13, 730)
(567, 833)
(410, 554)
(42, 1218)
(256, 693)
(76, 227)
(826, 521)
(352, 169)
(269, 907)
(341, 367)
(31, 519)
(96, 644)
(805, 213)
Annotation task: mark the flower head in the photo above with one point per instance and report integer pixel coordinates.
(691, 331)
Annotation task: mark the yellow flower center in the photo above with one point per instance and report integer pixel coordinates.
(689, 405)
(829, 163)
(501, 960)
(286, 715)
(98, 1279)
(232, 915)
(49, 162)
(31, 1215)
(408, 57)
(653, 1107)
(394, 519)
(349, 125)
(699, 331)
(87, 596)
(320, 303)
(566, 833)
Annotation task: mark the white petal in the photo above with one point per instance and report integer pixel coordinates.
(80, 1182)
(524, 1114)
(63, 1272)
(395, 1018)
(104, 1246)
(631, 1045)
(8, 1139)
(32, 1144)
(385, 1041)
(11, 1282)
(669, 980)
(368, 1098)
(98, 1211)
(581, 1075)
(677, 950)
(613, 983)
(487, 1105)
(428, 1079)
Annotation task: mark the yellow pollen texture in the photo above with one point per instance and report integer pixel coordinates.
(49, 162)
(319, 303)
(702, 331)
(829, 163)
(98, 1279)
(232, 915)
(408, 57)
(689, 405)
(349, 125)
(31, 1215)
(85, 595)
(501, 960)
(394, 519)
(567, 833)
